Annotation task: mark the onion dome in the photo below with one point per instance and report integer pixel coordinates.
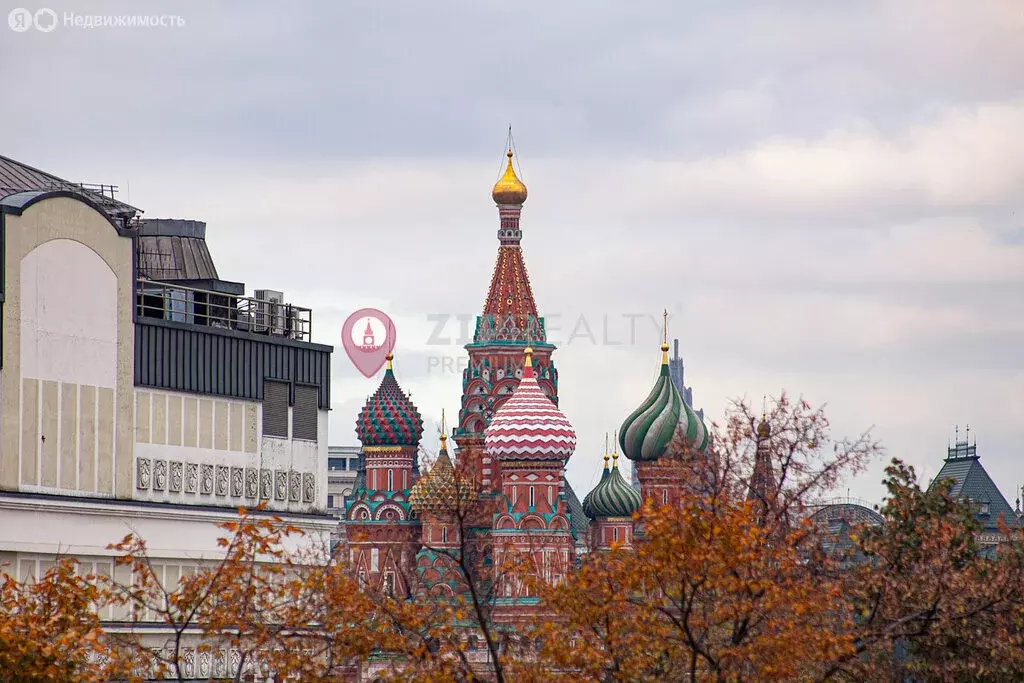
(438, 490)
(612, 497)
(528, 426)
(764, 430)
(663, 419)
(509, 189)
(389, 418)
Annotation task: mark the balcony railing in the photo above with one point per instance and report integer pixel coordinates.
(177, 303)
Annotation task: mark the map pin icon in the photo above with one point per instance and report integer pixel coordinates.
(368, 336)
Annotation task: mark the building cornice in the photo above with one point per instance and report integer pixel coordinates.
(138, 509)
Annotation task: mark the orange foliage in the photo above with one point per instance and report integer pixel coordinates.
(708, 593)
(731, 584)
(50, 631)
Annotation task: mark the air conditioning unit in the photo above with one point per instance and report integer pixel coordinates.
(297, 325)
(269, 312)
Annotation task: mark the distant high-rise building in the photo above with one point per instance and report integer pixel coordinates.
(675, 372)
(342, 468)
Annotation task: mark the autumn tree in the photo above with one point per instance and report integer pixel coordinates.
(730, 584)
(928, 603)
(727, 585)
(50, 629)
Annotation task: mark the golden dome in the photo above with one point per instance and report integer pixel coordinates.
(509, 189)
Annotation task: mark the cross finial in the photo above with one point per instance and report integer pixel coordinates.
(444, 435)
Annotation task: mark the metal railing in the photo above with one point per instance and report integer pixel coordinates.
(842, 500)
(167, 301)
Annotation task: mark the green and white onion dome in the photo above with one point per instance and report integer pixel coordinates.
(612, 497)
(662, 421)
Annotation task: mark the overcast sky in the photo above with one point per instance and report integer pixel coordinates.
(827, 197)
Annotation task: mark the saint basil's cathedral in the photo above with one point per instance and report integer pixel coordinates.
(506, 491)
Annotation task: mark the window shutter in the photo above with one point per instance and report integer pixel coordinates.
(275, 408)
(304, 414)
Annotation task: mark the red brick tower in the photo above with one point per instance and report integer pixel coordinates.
(382, 534)
(532, 439)
(509, 323)
(660, 435)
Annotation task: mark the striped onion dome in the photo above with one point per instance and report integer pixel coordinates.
(662, 421)
(438, 490)
(528, 426)
(389, 418)
(612, 497)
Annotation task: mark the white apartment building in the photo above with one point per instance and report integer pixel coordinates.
(139, 392)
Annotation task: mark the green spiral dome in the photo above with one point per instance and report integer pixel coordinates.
(663, 419)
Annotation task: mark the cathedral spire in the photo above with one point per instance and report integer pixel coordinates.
(763, 488)
(508, 323)
(510, 311)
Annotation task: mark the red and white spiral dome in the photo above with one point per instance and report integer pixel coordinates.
(529, 426)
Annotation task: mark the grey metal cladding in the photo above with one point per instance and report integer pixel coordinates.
(207, 360)
(275, 408)
(304, 412)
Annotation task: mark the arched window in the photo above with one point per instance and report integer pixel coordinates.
(615, 533)
(664, 496)
(391, 480)
(444, 534)
(532, 501)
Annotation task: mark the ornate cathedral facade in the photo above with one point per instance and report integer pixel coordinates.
(505, 494)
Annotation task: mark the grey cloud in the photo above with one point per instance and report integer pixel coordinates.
(259, 80)
(783, 177)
